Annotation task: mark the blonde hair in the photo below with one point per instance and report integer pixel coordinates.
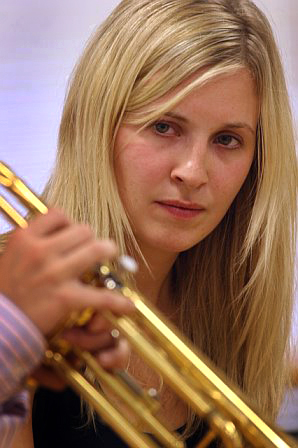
(234, 289)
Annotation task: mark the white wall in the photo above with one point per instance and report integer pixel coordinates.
(283, 16)
(39, 44)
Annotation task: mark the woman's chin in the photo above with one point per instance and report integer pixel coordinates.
(169, 245)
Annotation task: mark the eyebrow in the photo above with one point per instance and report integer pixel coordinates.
(240, 125)
(236, 125)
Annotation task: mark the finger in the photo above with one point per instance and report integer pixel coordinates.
(78, 296)
(84, 258)
(46, 224)
(69, 238)
(48, 378)
(88, 341)
(116, 357)
(98, 324)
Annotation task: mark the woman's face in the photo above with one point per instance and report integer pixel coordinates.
(178, 177)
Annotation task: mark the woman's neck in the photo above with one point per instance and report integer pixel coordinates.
(153, 279)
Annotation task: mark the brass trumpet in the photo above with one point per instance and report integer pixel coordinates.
(167, 351)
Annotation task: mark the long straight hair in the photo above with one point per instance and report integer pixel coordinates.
(234, 290)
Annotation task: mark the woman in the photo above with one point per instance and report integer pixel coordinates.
(176, 141)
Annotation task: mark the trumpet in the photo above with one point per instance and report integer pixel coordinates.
(193, 378)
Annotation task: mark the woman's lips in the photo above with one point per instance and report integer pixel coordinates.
(181, 210)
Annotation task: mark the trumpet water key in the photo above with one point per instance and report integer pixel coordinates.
(165, 349)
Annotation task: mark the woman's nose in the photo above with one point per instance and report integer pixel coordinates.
(191, 167)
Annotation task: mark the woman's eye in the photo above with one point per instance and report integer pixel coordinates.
(227, 140)
(163, 128)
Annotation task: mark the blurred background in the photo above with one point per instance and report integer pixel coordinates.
(39, 45)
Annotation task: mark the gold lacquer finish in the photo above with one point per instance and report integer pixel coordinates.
(188, 372)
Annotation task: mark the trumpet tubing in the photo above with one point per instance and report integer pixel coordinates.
(166, 350)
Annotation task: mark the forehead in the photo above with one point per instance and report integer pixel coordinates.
(234, 90)
(233, 94)
(201, 82)
(226, 89)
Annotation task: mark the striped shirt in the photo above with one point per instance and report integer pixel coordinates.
(21, 350)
